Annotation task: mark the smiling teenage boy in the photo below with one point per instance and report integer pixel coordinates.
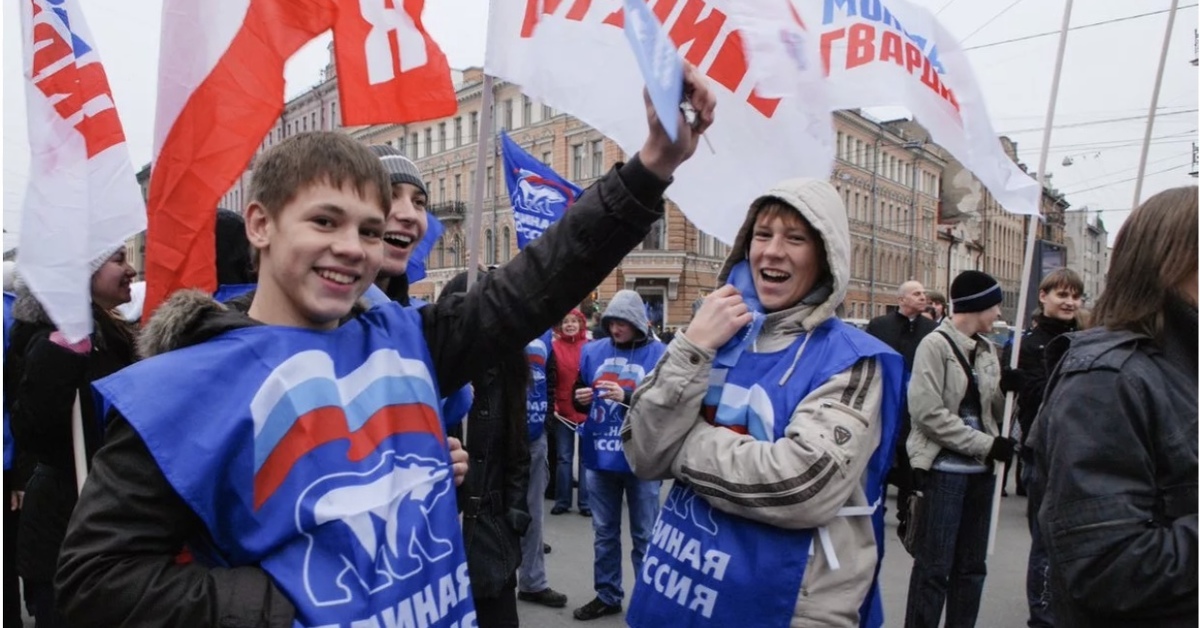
(315, 487)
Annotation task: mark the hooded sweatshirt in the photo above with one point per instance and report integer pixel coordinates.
(567, 350)
(820, 465)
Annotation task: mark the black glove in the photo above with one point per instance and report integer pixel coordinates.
(1002, 449)
(1012, 380)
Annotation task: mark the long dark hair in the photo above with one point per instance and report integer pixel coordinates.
(1155, 252)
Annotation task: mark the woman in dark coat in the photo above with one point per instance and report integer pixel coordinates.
(493, 496)
(1115, 440)
(42, 375)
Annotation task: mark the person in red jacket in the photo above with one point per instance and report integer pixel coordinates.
(568, 344)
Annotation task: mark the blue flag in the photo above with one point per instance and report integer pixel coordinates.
(416, 261)
(539, 196)
(659, 61)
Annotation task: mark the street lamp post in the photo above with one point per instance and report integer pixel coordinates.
(874, 218)
(917, 148)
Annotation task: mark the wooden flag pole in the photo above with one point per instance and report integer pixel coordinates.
(486, 117)
(78, 444)
(1162, 62)
(1031, 225)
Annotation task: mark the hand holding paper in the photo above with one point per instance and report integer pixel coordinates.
(660, 153)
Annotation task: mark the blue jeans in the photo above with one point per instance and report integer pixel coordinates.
(950, 562)
(532, 573)
(565, 446)
(642, 497)
(1037, 574)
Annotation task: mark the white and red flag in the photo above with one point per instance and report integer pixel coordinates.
(83, 199)
(572, 55)
(220, 91)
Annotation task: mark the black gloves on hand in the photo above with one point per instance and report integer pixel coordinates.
(1002, 449)
(1012, 380)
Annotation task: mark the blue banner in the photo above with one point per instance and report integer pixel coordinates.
(539, 196)
(416, 261)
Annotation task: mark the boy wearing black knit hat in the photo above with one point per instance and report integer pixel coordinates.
(956, 405)
(406, 223)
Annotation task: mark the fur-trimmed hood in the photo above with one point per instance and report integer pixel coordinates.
(191, 317)
(818, 202)
(27, 308)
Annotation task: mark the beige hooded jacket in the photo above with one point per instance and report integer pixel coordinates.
(802, 480)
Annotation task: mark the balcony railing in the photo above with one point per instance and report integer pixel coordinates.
(449, 210)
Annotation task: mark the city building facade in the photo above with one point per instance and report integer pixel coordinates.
(1087, 251)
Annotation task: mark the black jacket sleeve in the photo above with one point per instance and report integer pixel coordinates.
(117, 567)
(515, 303)
(49, 379)
(1102, 514)
(580, 383)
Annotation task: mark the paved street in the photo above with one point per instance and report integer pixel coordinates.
(570, 571)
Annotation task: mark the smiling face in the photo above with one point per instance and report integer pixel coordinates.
(786, 257)
(110, 283)
(319, 254)
(1061, 303)
(406, 225)
(571, 325)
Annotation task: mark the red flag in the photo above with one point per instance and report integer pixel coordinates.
(388, 66)
(221, 89)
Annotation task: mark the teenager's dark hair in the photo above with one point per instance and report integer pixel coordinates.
(318, 157)
(1155, 252)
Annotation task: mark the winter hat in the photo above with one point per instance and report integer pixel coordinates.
(974, 291)
(102, 258)
(627, 305)
(400, 169)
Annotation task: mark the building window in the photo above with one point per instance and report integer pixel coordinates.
(489, 247)
(597, 158)
(333, 116)
(656, 239)
(402, 145)
(507, 244)
(314, 121)
(416, 146)
(458, 132)
(474, 130)
(442, 137)
(547, 112)
(547, 157)
(577, 162)
(526, 111)
(441, 253)
(457, 187)
(456, 251)
(491, 181)
(428, 141)
(507, 121)
(442, 190)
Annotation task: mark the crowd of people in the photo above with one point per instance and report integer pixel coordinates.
(310, 487)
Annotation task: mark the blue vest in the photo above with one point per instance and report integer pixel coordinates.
(9, 446)
(319, 456)
(600, 446)
(705, 567)
(538, 399)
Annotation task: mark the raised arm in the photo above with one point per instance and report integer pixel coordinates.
(511, 306)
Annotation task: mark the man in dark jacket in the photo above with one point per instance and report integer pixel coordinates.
(492, 499)
(902, 330)
(116, 566)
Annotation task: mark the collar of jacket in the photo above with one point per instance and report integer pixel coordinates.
(965, 343)
(397, 289)
(1054, 326)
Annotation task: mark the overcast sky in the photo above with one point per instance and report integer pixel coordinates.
(1108, 74)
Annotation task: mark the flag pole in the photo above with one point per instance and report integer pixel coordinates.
(473, 226)
(1162, 62)
(78, 445)
(1031, 225)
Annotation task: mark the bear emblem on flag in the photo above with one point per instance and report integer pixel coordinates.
(377, 510)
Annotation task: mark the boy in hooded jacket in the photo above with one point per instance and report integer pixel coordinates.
(776, 420)
(609, 371)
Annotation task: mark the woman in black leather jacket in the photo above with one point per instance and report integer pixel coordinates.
(1116, 438)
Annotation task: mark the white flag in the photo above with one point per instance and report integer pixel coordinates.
(83, 199)
(891, 52)
(574, 57)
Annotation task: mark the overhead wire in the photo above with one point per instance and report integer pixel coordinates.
(993, 19)
(1148, 174)
(1073, 28)
(1072, 125)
